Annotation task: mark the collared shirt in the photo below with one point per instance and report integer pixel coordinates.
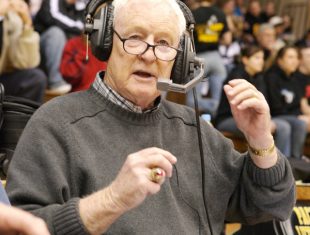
(102, 88)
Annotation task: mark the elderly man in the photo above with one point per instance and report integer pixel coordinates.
(118, 159)
(266, 38)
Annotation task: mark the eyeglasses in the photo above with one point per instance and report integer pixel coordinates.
(139, 47)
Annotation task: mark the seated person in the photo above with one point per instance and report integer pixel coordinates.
(252, 20)
(119, 159)
(284, 96)
(75, 68)
(210, 30)
(266, 38)
(57, 21)
(303, 77)
(250, 68)
(19, 53)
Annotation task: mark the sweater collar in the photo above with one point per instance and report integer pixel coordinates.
(103, 104)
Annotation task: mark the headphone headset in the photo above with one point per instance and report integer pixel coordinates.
(99, 28)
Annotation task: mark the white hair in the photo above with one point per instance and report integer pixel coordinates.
(263, 27)
(118, 4)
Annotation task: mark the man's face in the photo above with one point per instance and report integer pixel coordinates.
(290, 61)
(255, 8)
(255, 63)
(135, 76)
(267, 38)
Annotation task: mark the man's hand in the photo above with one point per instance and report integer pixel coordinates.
(133, 182)
(130, 188)
(252, 115)
(15, 221)
(249, 108)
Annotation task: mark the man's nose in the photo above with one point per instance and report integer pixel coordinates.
(149, 54)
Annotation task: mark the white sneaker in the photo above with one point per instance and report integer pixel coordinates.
(59, 90)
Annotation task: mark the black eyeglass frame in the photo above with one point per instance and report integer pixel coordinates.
(123, 40)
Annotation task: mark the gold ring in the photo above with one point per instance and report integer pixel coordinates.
(156, 174)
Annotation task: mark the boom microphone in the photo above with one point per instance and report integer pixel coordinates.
(165, 84)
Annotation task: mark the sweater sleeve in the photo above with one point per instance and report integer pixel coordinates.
(43, 151)
(257, 195)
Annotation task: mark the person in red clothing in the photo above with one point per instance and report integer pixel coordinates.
(74, 67)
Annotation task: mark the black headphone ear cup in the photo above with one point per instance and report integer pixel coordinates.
(101, 40)
(182, 71)
(177, 70)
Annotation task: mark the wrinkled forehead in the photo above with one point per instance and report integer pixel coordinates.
(156, 14)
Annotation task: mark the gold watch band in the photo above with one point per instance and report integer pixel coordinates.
(262, 152)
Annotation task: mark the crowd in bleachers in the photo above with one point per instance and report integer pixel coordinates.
(256, 44)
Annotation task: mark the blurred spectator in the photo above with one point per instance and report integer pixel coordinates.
(227, 6)
(303, 77)
(253, 19)
(269, 10)
(34, 6)
(229, 54)
(305, 40)
(284, 96)
(250, 68)
(57, 21)
(211, 27)
(266, 38)
(19, 52)
(74, 67)
(235, 23)
(288, 34)
(229, 51)
(278, 24)
(240, 9)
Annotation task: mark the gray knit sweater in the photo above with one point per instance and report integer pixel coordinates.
(76, 144)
